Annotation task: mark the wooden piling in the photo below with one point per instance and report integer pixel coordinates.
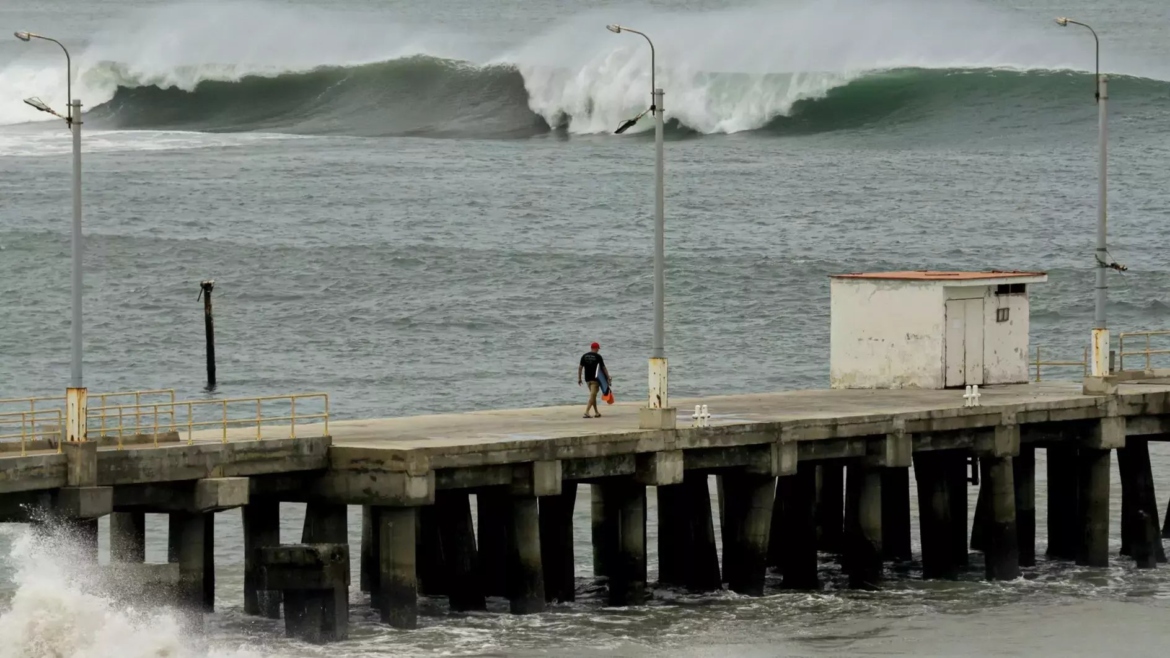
(261, 528)
(398, 572)
(748, 508)
(702, 561)
(1093, 473)
(863, 525)
(1001, 550)
(798, 536)
(205, 288)
(896, 514)
(492, 506)
(1064, 516)
(128, 537)
(461, 560)
(934, 508)
(556, 544)
(525, 571)
(831, 507)
(1024, 478)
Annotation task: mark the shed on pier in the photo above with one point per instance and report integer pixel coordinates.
(931, 330)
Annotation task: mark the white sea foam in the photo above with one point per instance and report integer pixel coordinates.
(59, 610)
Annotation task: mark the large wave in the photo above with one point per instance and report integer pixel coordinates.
(807, 66)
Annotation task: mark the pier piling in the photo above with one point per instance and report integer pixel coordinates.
(1024, 478)
(604, 531)
(863, 525)
(935, 522)
(748, 509)
(896, 544)
(525, 571)
(1001, 551)
(1064, 517)
(398, 572)
(673, 535)
(957, 464)
(128, 537)
(556, 544)
(261, 530)
(369, 553)
(433, 573)
(187, 545)
(626, 509)
(702, 561)
(461, 559)
(796, 496)
(492, 509)
(1093, 472)
(328, 523)
(1139, 505)
(831, 507)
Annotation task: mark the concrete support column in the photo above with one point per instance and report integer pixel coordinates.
(934, 476)
(798, 535)
(1093, 472)
(831, 507)
(1024, 479)
(492, 507)
(1002, 553)
(1064, 517)
(625, 502)
(702, 561)
(187, 545)
(369, 553)
(955, 464)
(328, 523)
(778, 531)
(982, 510)
(525, 571)
(673, 535)
(128, 537)
(432, 557)
(556, 544)
(457, 535)
(398, 572)
(604, 532)
(896, 514)
(748, 500)
(1139, 507)
(863, 529)
(261, 528)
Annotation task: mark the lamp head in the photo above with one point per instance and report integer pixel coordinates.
(616, 29)
(1062, 21)
(23, 36)
(39, 104)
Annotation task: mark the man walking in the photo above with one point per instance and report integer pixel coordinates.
(591, 364)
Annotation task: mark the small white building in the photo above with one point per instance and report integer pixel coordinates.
(929, 329)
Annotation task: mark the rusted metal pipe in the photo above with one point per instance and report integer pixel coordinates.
(205, 288)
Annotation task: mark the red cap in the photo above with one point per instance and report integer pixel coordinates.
(594, 346)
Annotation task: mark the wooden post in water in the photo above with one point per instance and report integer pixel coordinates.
(205, 288)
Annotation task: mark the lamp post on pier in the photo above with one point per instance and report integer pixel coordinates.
(657, 414)
(75, 397)
(1099, 355)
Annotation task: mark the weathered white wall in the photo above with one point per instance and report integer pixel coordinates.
(886, 334)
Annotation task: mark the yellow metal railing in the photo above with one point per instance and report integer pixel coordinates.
(1037, 363)
(212, 419)
(98, 400)
(1142, 337)
(27, 426)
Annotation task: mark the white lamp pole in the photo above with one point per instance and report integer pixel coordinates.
(658, 414)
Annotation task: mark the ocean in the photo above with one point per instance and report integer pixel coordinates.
(421, 208)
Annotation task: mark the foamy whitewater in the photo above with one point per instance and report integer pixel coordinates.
(62, 609)
(724, 71)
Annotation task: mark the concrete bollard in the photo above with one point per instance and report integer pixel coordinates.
(308, 577)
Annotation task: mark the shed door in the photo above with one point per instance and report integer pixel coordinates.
(964, 342)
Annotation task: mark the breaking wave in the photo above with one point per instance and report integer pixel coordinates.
(792, 67)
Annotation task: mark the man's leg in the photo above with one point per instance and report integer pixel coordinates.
(593, 388)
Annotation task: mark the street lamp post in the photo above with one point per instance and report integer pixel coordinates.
(1100, 337)
(75, 398)
(658, 414)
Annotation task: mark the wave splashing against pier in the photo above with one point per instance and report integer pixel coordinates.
(61, 609)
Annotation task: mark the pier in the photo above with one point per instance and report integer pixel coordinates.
(798, 473)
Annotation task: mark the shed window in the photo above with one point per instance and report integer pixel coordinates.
(1001, 314)
(1010, 289)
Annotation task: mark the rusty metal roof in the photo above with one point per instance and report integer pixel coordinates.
(932, 275)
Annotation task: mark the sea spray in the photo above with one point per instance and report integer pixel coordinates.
(60, 608)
